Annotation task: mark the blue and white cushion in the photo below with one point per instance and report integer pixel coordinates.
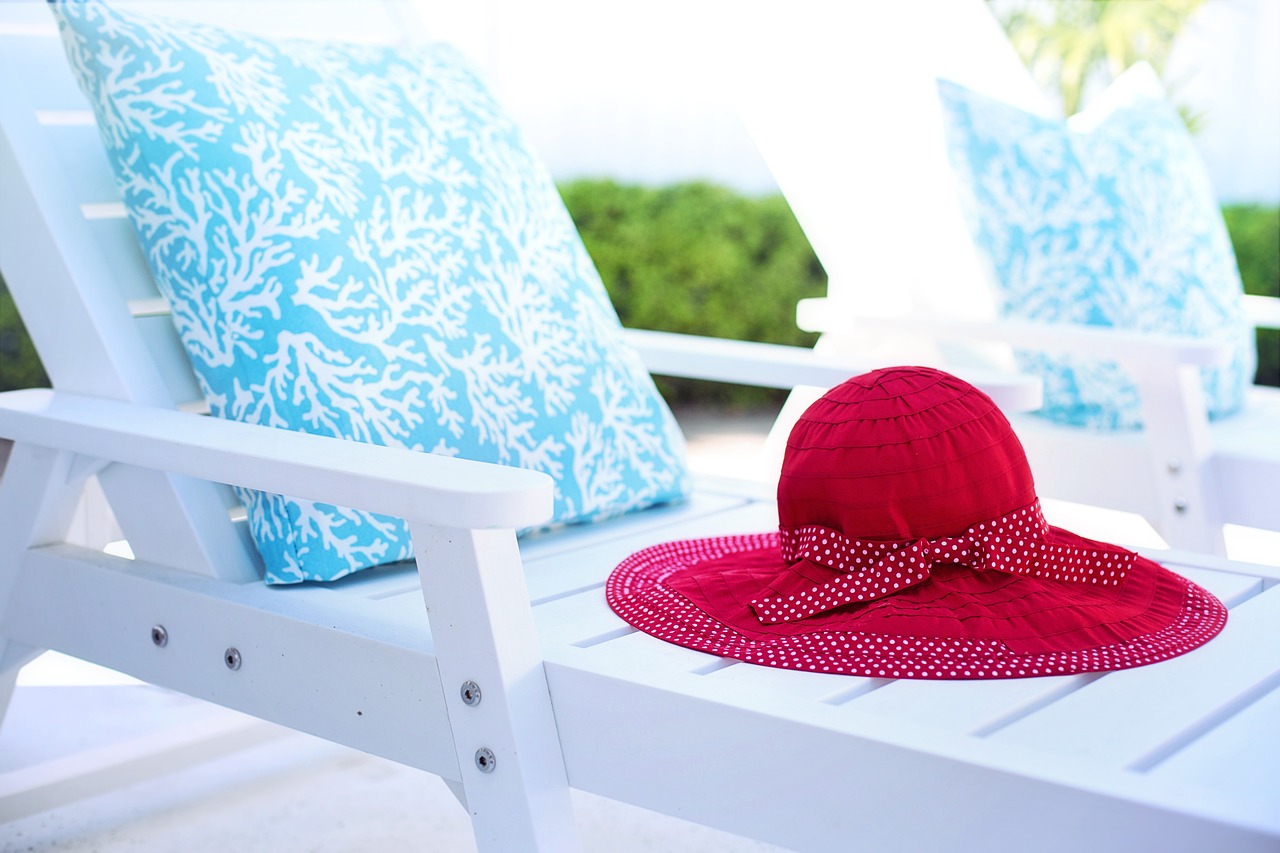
(1106, 219)
(356, 241)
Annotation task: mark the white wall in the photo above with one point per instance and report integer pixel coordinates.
(629, 90)
(642, 91)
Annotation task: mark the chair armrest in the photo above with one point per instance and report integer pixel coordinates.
(407, 484)
(823, 315)
(779, 366)
(738, 362)
(1263, 311)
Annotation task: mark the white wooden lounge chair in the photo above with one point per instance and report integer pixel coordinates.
(846, 113)
(516, 681)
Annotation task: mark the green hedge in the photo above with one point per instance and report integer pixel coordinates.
(1255, 233)
(19, 365)
(702, 259)
(699, 259)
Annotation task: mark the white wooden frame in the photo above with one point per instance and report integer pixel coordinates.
(1186, 475)
(1179, 755)
(842, 102)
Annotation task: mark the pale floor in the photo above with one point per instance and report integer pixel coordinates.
(297, 793)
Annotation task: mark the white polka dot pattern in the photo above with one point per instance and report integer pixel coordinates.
(637, 592)
(1014, 543)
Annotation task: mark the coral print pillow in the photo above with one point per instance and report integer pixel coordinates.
(356, 241)
(1107, 219)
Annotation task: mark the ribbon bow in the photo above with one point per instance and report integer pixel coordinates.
(1014, 543)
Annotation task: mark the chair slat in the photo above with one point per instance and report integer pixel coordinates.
(103, 210)
(1241, 756)
(47, 83)
(66, 118)
(982, 707)
(118, 246)
(82, 161)
(966, 706)
(567, 625)
(590, 564)
(156, 306)
(780, 688)
(634, 655)
(1129, 716)
(162, 340)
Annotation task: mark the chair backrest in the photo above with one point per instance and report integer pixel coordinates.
(70, 258)
(841, 100)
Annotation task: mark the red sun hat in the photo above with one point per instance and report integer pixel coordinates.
(911, 545)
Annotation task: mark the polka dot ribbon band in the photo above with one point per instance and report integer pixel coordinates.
(1014, 543)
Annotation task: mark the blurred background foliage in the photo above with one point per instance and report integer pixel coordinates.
(1076, 47)
(19, 365)
(699, 259)
(703, 259)
(1255, 233)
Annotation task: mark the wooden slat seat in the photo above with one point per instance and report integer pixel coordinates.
(1180, 756)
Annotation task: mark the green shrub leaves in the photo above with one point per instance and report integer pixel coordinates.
(699, 259)
(705, 260)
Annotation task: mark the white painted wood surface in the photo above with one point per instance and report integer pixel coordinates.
(1185, 474)
(403, 483)
(500, 714)
(735, 746)
(919, 293)
(775, 366)
(804, 760)
(828, 315)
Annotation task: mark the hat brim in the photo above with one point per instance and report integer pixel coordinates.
(958, 624)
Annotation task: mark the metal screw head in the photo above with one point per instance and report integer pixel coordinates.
(159, 635)
(231, 657)
(486, 760)
(470, 693)
(1180, 505)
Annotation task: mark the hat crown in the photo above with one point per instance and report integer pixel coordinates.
(902, 453)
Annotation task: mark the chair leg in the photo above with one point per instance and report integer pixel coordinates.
(459, 793)
(1189, 514)
(504, 732)
(38, 494)
(39, 491)
(13, 657)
